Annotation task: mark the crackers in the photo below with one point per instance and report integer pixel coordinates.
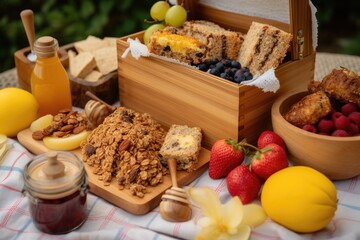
(94, 58)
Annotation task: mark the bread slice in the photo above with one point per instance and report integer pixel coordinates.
(93, 76)
(264, 47)
(221, 43)
(184, 144)
(91, 43)
(182, 48)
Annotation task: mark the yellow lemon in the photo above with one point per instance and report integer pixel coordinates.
(299, 198)
(18, 108)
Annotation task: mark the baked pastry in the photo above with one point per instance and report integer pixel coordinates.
(309, 110)
(264, 47)
(341, 84)
(182, 143)
(221, 43)
(185, 49)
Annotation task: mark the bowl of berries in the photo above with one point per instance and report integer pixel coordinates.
(320, 132)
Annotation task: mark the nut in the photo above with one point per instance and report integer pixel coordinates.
(124, 145)
(38, 135)
(64, 123)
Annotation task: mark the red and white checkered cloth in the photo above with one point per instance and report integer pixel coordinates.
(106, 221)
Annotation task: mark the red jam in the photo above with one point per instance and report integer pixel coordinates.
(59, 215)
(56, 185)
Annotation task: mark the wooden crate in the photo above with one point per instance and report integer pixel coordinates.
(176, 94)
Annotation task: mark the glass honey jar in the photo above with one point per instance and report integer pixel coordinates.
(56, 185)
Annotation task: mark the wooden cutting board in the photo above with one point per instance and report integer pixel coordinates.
(123, 198)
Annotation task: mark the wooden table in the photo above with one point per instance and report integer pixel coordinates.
(324, 63)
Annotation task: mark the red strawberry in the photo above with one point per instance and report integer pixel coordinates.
(225, 155)
(267, 137)
(243, 183)
(269, 160)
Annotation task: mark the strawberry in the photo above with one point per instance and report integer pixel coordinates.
(267, 137)
(269, 160)
(243, 183)
(225, 155)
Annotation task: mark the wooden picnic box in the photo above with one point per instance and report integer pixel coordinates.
(177, 94)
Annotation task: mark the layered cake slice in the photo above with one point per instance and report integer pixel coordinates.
(221, 43)
(264, 47)
(183, 48)
(182, 143)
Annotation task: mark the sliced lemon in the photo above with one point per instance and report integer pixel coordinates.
(3, 151)
(3, 139)
(41, 123)
(65, 143)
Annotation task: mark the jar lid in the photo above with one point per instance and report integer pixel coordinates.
(46, 47)
(53, 174)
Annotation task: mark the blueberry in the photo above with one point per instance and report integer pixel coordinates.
(245, 69)
(214, 61)
(215, 71)
(212, 66)
(229, 72)
(235, 64)
(239, 77)
(240, 71)
(220, 66)
(248, 76)
(203, 67)
(226, 62)
(207, 62)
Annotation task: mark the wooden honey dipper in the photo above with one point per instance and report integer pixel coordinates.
(175, 206)
(97, 110)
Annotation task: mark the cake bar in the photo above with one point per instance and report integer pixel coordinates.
(264, 47)
(221, 43)
(182, 48)
(182, 143)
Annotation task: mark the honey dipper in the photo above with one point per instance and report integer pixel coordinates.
(175, 206)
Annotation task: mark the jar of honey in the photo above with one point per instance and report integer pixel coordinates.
(56, 186)
(50, 83)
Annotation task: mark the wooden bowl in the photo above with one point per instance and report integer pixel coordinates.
(336, 157)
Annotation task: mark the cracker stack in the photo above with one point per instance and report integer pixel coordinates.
(94, 58)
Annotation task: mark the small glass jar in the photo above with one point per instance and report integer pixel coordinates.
(56, 186)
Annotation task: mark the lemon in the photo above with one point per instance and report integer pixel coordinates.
(299, 198)
(18, 108)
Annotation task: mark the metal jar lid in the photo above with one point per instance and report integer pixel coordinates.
(54, 175)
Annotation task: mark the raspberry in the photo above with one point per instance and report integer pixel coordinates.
(310, 128)
(348, 108)
(353, 128)
(342, 122)
(340, 133)
(355, 117)
(325, 125)
(336, 115)
(324, 133)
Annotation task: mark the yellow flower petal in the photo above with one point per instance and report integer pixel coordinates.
(232, 214)
(254, 215)
(243, 233)
(208, 233)
(205, 222)
(208, 201)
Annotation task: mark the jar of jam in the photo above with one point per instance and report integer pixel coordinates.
(56, 186)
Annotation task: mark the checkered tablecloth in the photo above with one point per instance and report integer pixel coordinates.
(105, 221)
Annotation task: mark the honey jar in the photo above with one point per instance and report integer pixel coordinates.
(56, 185)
